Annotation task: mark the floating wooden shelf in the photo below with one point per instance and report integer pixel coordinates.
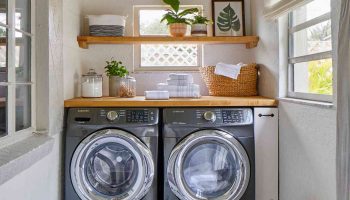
(139, 101)
(249, 41)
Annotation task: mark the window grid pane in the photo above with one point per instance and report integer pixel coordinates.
(23, 107)
(23, 58)
(313, 77)
(149, 22)
(310, 11)
(314, 39)
(23, 15)
(3, 111)
(3, 54)
(3, 12)
(159, 55)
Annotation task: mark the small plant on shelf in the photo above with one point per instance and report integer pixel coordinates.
(177, 20)
(116, 68)
(120, 84)
(199, 25)
(199, 19)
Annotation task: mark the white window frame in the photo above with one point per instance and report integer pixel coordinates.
(293, 60)
(11, 83)
(137, 47)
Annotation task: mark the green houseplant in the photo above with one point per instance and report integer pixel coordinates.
(116, 68)
(199, 25)
(116, 72)
(177, 20)
(199, 19)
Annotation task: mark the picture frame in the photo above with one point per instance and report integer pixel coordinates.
(228, 17)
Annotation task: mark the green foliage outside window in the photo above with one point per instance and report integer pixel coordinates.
(320, 77)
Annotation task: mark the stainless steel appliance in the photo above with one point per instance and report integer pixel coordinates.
(111, 153)
(208, 154)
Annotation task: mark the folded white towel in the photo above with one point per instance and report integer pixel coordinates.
(178, 76)
(192, 90)
(179, 82)
(157, 95)
(228, 70)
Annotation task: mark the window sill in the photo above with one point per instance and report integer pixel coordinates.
(140, 70)
(19, 156)
(308, 102)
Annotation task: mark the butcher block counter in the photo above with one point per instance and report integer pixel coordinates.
(204, 101)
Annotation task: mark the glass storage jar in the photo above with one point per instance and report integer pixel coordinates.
(126, 87)
(91, 84)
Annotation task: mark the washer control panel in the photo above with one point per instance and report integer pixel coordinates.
(209, 116)
(146, 116)
(233, 116)
(139, 116)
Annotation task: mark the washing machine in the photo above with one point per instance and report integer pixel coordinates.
(111, 154)
(208, 154)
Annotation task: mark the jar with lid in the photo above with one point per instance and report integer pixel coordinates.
(126, 87)
(91, 84)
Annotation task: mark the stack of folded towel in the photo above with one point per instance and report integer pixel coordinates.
(156, 95)
(180, 85)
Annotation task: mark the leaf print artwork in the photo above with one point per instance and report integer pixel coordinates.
(228, 20)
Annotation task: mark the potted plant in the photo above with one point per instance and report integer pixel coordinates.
(177, 20)
(116, 72)
(199, 25)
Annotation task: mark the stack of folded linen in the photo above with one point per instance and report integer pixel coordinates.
(180, 85)
(156, 95)
(106, 25)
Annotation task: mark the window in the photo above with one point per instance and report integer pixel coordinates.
(310, 52)
(16, 85)
(162, 56)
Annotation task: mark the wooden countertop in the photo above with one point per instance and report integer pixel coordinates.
(205, 101)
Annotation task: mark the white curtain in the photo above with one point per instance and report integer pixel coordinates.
(342, 8)
(273, 9)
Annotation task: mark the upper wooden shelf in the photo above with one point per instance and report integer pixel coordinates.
(249, 41)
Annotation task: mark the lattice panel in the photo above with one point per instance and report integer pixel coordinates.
(159, 55)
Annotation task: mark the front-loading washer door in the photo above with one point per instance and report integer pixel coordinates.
(209, 164)
(112, 165)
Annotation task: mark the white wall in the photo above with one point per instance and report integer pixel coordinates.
(307, 152)
(71, 51)
(307, 134)
(95, 56)
(266, 54)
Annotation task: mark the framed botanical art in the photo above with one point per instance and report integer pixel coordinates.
(228, 17)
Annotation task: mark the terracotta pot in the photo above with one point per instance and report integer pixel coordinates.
(178, 29)
(199, 30)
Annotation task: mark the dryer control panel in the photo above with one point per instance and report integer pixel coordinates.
(209, 116)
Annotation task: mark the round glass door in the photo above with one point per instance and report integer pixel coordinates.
(112, 164)
(209, 165)
(111, 169)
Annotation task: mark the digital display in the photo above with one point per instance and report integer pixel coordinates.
(232, 116)
(137, 116)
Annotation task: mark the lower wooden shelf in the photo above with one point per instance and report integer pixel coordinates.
(249, 41)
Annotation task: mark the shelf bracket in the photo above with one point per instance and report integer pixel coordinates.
(251, 45)
(83, 44)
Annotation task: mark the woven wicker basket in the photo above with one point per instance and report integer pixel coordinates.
(244, 85)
